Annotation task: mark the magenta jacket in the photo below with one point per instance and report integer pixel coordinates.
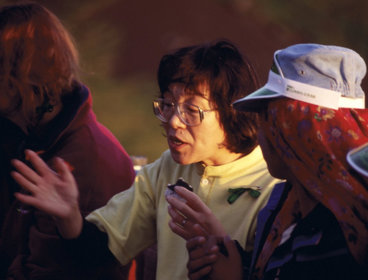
(30, 247)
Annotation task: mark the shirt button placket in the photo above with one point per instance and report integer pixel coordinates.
(204, 181)
(205, 189)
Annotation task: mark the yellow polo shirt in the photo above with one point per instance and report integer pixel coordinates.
(138, 217)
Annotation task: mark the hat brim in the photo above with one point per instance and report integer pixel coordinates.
(256, 100)
(358, 159)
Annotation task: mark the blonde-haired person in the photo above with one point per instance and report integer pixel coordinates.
(45, 107)
(315, 225)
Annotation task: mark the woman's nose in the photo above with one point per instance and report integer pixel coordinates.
(175, 121)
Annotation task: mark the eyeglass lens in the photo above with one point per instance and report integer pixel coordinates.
(188, 113)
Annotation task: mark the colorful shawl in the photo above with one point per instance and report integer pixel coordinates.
(313, 141)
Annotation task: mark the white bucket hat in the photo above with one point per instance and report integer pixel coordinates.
(329, 76)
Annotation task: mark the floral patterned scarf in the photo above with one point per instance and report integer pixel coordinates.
(313, 141)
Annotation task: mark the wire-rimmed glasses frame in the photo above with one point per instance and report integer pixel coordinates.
(189, 114)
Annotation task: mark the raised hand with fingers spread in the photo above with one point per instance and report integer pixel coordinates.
(55, 193)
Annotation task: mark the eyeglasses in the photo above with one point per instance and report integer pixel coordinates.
(189, 114)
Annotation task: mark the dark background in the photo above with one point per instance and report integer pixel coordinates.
(121, 43)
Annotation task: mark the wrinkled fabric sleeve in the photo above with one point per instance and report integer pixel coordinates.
(129, 219)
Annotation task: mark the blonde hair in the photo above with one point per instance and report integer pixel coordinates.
(38, 59)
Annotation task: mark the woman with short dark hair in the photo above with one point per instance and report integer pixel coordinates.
(197, 87)
(228, 74)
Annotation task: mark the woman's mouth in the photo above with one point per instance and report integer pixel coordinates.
(175, 142)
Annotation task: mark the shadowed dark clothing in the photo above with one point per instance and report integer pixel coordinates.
(315, 248)
(30, 247)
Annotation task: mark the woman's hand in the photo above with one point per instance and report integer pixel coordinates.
(203, 253)
(192, 217)
(206, 258)
(230, 266)
(54, 193)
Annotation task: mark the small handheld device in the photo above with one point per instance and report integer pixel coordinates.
(180, 182)
(171, 188)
